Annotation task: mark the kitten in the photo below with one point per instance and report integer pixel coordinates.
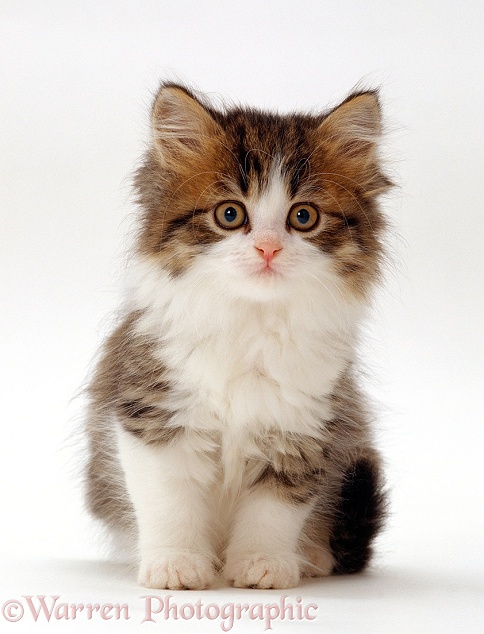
(226, 429)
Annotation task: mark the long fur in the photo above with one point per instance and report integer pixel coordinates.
(226, 427)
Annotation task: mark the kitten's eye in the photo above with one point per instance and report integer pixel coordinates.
(230, 215)
(303, 217)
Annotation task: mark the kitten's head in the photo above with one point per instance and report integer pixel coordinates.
(262, 203)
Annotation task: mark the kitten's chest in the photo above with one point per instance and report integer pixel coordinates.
(255, 370)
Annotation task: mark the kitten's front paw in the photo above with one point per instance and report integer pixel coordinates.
(177, 571)
(260, 570)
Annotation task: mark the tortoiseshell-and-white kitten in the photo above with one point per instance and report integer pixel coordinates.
(226, 430)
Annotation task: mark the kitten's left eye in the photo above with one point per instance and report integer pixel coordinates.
(230, 215)
(303, 217)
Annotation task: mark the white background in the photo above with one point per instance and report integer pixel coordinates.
(76, 82)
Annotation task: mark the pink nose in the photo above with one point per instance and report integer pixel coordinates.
(268, 249)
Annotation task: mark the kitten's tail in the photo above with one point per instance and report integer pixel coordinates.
(359, 517)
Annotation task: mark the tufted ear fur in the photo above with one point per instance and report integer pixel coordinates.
(349, 137)
(357, 118)
(183, 128)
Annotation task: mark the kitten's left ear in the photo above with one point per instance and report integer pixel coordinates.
(349, 137)
(183, 128)
(358, 118)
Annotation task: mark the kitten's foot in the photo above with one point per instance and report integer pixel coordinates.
(177, 571)
(260, 570)
(319, 562)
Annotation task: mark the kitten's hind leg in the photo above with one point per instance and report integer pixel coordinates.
(318, 560)
(358, 517)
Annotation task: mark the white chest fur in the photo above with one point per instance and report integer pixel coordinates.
(247, 365)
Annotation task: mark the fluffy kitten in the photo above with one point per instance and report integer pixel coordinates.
(226, 429)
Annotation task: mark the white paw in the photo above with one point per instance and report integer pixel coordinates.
(260, 570)
(176, 571)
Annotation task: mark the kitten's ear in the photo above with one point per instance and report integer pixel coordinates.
(358, 118)
(182, 126)
(349, 137)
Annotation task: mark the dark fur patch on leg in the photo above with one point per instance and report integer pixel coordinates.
(359, 518)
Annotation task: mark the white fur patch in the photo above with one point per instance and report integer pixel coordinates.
(263, 547)
(169, 487)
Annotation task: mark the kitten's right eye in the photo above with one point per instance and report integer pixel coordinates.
(230, 215)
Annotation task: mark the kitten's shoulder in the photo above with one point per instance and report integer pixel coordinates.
(127, 362)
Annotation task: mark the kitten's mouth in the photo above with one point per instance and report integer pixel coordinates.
(267, 271)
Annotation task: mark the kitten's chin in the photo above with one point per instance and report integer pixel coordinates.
(263, 286)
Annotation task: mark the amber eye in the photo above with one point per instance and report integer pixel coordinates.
(230, 215)
(303, 217)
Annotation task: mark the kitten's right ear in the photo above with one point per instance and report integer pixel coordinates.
(182, 126)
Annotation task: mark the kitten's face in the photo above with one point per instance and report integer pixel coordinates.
(264, 240)
(262, 203)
